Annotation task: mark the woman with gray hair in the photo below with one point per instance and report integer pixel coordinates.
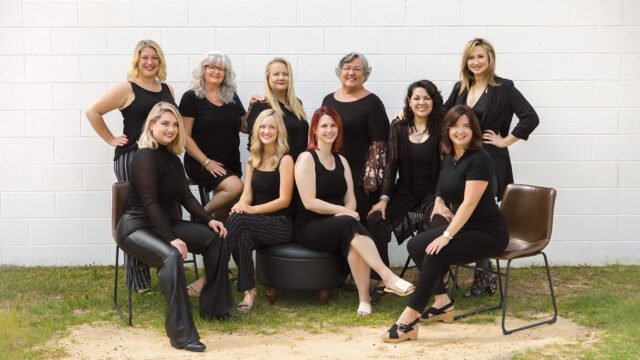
(366, 129)
(213, 115)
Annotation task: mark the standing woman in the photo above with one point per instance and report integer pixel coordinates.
(366, 129)
(494, 101)
(476, 229)
(144, 88)
(261, 216)
(148, 232)
(280, 95)
(414, 153)
(213, 114)
(328, 220)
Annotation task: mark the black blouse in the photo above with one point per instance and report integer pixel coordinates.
(297, 129)
(473, 165)
(500, 104)
(158, 185)
(364, 122)
(266, 188)
(216, 130)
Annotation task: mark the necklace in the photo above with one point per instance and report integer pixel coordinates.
(419, 134)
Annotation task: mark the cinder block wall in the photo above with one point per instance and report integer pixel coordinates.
(577, 61)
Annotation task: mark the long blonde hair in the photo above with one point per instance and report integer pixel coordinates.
(147, 141)
(256, 149)
(133, 72)
(292, 100)
(466, 76)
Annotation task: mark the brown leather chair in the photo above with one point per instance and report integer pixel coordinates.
(528, 211)
(119, 196)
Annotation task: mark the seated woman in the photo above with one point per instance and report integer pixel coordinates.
(147, 231)
(261, 217)
(414, 153)
(476, 229)
(328, 220)
(213, 116)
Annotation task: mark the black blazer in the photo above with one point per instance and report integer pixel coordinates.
(504, 101)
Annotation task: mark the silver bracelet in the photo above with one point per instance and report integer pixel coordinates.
(385, 198)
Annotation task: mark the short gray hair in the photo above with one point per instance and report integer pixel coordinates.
(228, 87)
(355, 55)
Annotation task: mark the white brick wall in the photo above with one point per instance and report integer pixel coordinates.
(577, 61)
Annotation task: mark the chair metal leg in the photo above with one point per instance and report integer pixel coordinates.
(483, 309)
(128, 320)
(406, 266)
(506, 331)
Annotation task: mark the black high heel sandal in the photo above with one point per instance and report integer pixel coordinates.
(440, 314)
(409, 332)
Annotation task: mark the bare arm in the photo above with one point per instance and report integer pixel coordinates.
(305, 175)
(118, 98)
(247, 194)
(473, 191)
(349, 197)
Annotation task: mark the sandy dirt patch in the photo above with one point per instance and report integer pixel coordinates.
(436, 341)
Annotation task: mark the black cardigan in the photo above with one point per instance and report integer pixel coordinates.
(504, 101)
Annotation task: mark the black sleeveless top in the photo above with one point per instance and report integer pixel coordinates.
(266, 188)
(135, 114)
(330, 187)
(422, 180)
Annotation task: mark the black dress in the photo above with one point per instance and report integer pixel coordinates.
(328, 233)
(149, 225)
(484, 234)
(366, 130)
(297, 129)
(216, 131)
(495, 109)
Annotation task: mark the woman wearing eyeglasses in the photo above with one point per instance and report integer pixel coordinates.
(144, 88)
(213, 115)
(366, 129)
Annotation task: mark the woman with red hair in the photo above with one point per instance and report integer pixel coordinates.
(328, 220)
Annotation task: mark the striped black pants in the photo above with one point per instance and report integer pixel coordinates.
(246, 232)
(137, 272)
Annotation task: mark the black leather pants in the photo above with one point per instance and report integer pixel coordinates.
(146, 245)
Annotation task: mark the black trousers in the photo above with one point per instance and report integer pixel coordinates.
(136, 272)
(248, 232)
(473, 241)
(145, 244)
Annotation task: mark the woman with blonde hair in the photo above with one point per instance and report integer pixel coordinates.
(213, 115)
(148, 232)
(494, 100)
(280, 95)
(262, 216)
(144, 88)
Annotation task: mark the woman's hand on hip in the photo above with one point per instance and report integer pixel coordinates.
(436, 245)
(439, 208)
(181, 246)
(218, 228)
(119, 140)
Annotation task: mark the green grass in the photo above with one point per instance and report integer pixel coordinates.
(38, 305)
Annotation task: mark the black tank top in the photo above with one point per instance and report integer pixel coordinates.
(422, 181)
(135, 114)
(330, 184)
(266, 187)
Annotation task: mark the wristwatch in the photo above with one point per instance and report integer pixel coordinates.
(447, 234)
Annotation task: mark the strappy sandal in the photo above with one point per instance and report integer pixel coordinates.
(409, 332)
(401, 287)
(245, 307)
(364, 309)
(440, 314)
